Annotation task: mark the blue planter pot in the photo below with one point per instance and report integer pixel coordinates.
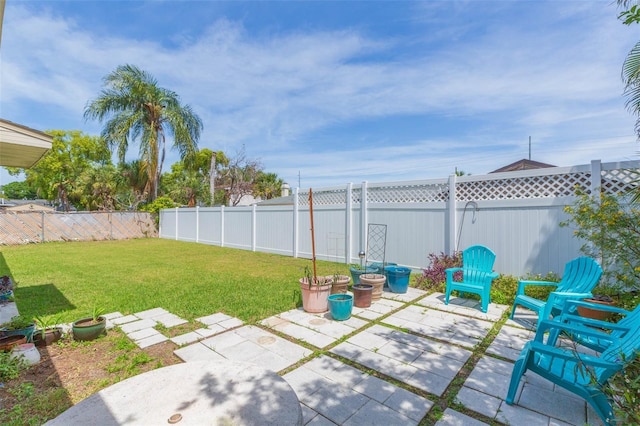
(27, 332)
(398, 278)
(381, 270)
(355, 273)
(340, 306)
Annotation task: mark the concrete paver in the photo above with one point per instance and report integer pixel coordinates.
(421, 342)
(454, 418)
(333, 392)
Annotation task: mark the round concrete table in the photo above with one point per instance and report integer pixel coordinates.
(192, 393)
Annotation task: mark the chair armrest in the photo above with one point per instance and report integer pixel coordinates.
(450, 272)
(579, 358)
(553, 325)
(570, 306)
(523, 284)
(590, 322)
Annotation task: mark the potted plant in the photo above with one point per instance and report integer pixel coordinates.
(339, 283)
(357, 270)
(7, 343)
(6, 288)
(598, 299)
(89, 328)
(340, 306)
(315, 291)
(48, 331)
(397, 278)
(19, 325)
(375, 280)
(362, 295)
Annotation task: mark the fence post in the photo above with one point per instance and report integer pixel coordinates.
(222, 226)
(253, 228)
(42, 224)
(451, 242)
(364, 216)
(596, 179)
(176, 223)
(348, 228)
(296, 207)
(197, 224)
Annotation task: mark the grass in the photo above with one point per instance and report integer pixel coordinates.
(187, 279)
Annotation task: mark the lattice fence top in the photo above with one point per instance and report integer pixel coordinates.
(517, 188)
(323, 197)
(619, 180)
(616, 178)
(416, 193)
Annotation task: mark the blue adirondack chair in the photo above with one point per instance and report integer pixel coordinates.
(601, 333)
(581, 374)
(580, 277)
(477, 274)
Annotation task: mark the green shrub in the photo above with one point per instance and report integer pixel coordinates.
(611, 229)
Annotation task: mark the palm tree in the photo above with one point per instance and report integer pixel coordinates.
(134, 108)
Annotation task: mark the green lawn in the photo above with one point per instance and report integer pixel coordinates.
(187, 279)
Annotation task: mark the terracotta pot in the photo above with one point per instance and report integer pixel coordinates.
(375, 280)
(586, 312)
(51, 335)
(314, 297)
(340, 286)
(9, 342)
(362, 295)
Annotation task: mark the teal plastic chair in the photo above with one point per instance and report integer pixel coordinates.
(580, 276)
(601, 333)
(477, 274)
(581, 374)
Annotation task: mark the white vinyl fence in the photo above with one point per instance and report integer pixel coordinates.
(516, 214)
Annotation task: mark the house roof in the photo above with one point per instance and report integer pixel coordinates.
(523, 164)
(21, 146)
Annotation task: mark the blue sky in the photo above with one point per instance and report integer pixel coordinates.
(342, 91)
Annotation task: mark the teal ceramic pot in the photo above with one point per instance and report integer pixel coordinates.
(86, 329)
(398, 278)
(340, 306)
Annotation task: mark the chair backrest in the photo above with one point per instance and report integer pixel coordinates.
(581, 275)
(477, 261)
(622, 350)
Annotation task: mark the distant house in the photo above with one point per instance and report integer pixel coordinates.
(30, 207)
(523, 164)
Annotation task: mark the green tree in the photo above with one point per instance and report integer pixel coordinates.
(267, 185)
(19, 191)
(57, 176)
(631, 74)
(610, 228)
(189, 183)
(98, 188)
(134, 108)
(136, 187)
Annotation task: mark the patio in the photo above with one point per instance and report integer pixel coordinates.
(388, 364)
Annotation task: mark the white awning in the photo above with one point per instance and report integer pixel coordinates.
(21, 146)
